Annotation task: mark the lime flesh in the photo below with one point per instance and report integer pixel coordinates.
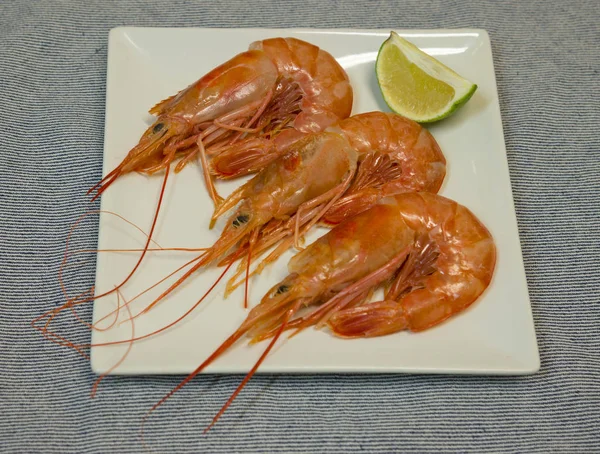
(416, 85)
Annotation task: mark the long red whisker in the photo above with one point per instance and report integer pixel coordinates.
(218, 352)
(182, 279)
(161, 249)
(154, 285)
(120, 361)
(247, 378)
(145, 336)
(49, 334)
(224, 346)
(75, 299)
(68, 240)
(253, 239)
(156, 213)
(65, 342)
(145, 249)
(66, 255)
(172, 287)
(247, 277)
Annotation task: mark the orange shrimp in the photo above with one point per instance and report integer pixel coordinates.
(396, 155)
(435, 257)
(242, 114)
(302, 184)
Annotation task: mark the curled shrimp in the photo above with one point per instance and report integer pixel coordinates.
(239, 116)
(436, 256)
(396, 155)
(433, 255)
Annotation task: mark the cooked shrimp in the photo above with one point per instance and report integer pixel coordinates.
(434, 255)
(243, 113)
(396, 155)
(305, 182)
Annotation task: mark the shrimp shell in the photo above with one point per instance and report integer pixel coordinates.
(243, 113)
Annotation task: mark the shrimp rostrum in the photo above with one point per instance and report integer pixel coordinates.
(433, 257)
(242, 114)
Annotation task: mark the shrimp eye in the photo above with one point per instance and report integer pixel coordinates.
(281, 289)
(240, 219)
(158, 127)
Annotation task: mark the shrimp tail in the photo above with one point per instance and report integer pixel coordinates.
(390, 315)
(371, 320)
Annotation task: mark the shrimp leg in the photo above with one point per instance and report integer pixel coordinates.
(210, 185)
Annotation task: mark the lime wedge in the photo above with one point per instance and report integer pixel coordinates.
(416, 85)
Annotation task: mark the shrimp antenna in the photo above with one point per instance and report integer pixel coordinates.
(251, 244)
(104, 183)
(146, 245)
(216, 354)
(164, 328)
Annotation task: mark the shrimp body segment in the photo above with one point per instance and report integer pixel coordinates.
(234, 115)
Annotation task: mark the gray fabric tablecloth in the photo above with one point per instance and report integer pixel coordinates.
(52, 90)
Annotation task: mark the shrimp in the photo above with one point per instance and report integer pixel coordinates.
(396, 155)
(243, 113)
(303, 183)
(433, 255)
(242, 116)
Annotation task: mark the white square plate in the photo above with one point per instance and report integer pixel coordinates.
(145, 65)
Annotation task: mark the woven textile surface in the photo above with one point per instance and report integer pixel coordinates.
(53, 58)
